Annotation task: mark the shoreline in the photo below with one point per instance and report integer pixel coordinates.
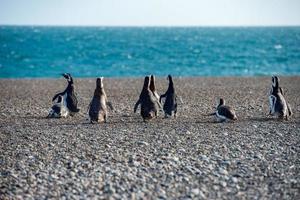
(141, 77)
(187, 157)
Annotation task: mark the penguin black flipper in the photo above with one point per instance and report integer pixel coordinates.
(281, 90)
(210, 114)
(56, 96)
(136, 105)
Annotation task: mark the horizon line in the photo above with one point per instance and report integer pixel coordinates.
(150, 26)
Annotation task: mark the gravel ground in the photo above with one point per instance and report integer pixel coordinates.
(190, 157)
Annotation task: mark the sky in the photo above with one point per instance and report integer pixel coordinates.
(150, 12)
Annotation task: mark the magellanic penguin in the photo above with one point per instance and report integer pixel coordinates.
(278, 105)
(58, 110)
(170, 104)
(152, 86)
(99, 103)
(224, 113)
(149, 106)
(69, 96)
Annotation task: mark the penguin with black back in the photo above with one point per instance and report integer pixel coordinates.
(99, 103)
(223, 112)
(278, 104)
(170, 104)
(149, 106)
(69, 95)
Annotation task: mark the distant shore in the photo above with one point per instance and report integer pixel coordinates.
(187, 157)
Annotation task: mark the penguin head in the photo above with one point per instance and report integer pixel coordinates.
(146, 82)
(275, 81)
(99, 82)
(169, 78)
(152, 82)
(68, 77)
(221, 102)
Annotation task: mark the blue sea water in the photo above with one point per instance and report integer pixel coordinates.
(27, 52)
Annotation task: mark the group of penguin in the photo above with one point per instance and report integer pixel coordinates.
(65, 103)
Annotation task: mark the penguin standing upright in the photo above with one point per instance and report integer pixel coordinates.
(58, 110)
(98, 105)
(278, 105)
(170, 104)
(69, 96)
(149, 106)
(224, 113)
(153, 87)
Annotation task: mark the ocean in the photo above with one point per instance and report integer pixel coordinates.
(46, 52)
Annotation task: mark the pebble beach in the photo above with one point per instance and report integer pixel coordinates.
(190, 157)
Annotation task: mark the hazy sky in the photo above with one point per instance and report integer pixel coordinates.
(150, 12)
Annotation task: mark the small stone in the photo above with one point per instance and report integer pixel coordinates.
(223, 171)
(196, 191)
(143, 143)
(223, 183)
(204, 158)
(234, 179)
(174, 159)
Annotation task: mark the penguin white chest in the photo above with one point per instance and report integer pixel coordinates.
(272, 101)
(64, 108)
(65, 100)
(220, 117)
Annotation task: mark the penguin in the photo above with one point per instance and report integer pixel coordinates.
(58, 110)
(149, 106)
(224, 113)
(278, 105)
(69, 96)
(99, 103)
(152, 87)
(170, 104)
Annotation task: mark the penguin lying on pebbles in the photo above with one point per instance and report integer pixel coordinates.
(278, 105)
(224, 113)
(149, 106)
(69, 96)
(170, 104)
(58, 110)
(99, 103)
